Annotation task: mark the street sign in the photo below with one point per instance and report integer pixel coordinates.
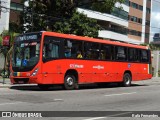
(6, 40)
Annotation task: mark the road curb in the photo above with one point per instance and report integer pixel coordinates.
(5, 86)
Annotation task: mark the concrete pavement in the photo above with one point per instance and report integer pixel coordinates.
(5, 82)
(8, 84)
(141, 96)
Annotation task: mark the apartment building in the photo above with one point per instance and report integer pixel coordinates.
(15, 8)
(9, 13)
(4, 15)
(130, 24)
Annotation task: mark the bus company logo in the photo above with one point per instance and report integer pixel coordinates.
(76, 66)
(129, 65)
(98, 67)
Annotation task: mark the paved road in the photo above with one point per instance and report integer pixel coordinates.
(141, 96)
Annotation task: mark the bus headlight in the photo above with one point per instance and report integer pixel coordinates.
(35, 72)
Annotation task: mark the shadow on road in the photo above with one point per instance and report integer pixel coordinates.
(82, 87)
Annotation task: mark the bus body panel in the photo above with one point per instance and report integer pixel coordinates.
(92, 71)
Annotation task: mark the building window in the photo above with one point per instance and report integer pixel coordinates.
(134, 32)
(120, 13)
(139, 33)
(147, 22)
(139, 20)
(126, 2)
(16, 6)
(141, 7)
(118, 29)
(148, 10)
(146, 35)
(133, 18)
(134, 5)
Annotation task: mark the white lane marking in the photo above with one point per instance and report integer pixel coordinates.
(95, 118)
(120, 94)
(115, 115)
(58, 99)
(10, 103)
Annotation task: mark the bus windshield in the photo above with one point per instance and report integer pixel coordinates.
(26, 52)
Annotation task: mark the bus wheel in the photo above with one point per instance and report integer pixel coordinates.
(44, 87)
(126, 80)
(70, 82)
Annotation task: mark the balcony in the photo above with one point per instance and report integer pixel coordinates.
(117, 36)
(104, 16)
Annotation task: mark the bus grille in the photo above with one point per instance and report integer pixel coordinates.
(21, 80)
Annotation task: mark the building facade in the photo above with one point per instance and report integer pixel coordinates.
(155, 22)
(129, 24)
(15, 8)
(4, 15)
(9, 13)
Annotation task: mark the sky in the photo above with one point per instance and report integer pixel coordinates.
(155, 18)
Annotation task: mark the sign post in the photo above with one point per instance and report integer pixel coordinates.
(6, 45)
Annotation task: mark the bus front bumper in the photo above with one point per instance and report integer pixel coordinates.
(23, 80)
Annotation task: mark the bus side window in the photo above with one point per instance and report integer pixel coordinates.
(133, 55)
(91, 50)
(72, 47)
(121, 53)
(106, 52)
(144, 56)
(51, 48)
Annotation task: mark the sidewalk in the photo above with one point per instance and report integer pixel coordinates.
(8, 84)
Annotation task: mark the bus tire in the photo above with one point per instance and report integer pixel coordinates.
(126, 80)
(70, 82)
(44, 87)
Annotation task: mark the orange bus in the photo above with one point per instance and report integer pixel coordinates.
(49, 58)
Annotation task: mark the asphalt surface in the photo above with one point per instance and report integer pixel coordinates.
(90, 102)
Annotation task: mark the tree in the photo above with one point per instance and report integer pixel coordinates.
(14, 27)
(78, 24)
(62, 16)
(5, 50)
(104, 5)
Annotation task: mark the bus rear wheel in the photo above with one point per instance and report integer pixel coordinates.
(70, 82)
(126, 80)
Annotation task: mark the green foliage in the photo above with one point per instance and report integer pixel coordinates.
(11, 34)
(152, 46)
(60, 16)
(14, 27)
(105, 5)
(78, 24)
(0, 40)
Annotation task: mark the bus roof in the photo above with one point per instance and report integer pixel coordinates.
(70, 36)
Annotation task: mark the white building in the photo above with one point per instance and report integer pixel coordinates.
(4, 15)
(131, 24)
